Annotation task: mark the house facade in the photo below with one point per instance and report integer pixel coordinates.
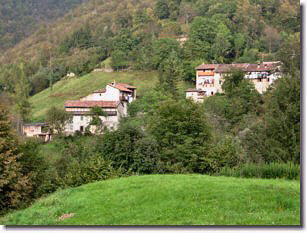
(210, 77)
(113, 100)
(38, 130)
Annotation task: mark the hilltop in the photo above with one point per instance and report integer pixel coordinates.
(168, 200)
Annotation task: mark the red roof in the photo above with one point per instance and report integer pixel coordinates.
(123, 87)
(223, 68)
(90, 104)
(206, 66)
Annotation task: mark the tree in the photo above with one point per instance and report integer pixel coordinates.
(161, 10)
(290, 53)
(181, 131)
(201, 36)
(57, 120)
(119, 60)
(162, 48)
(221, 47)
(14, 186)
(187, 12)
(239, 44)
(277, 137)
(22, 90)
(241, 96)
(170, 73)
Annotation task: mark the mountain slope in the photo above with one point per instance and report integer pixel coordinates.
(168, 200)
(18, 19)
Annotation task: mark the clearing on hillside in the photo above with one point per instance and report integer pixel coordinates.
(168, 200)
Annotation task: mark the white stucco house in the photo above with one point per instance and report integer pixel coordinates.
(114, 100)
(210, 77)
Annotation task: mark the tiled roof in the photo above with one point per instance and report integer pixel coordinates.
(206, 66)
(223, 68)
(126, 85)
(82, 113)
(90, 104)
(123, 87)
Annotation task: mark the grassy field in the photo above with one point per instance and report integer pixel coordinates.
(76, 88)
(168, 200)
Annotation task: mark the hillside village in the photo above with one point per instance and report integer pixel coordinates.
(115, 97)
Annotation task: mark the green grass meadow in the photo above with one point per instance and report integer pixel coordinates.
(75, 88)
(168, 200)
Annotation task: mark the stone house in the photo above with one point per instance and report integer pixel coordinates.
(210, 77)
(114, 100)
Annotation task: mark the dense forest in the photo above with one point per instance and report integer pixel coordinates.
(18, 19)
(141, 34)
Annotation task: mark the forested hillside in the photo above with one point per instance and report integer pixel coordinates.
(142, 35)
(18, 19)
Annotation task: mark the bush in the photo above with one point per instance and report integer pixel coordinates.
(273, 170)
(225, 153)
(129, 148)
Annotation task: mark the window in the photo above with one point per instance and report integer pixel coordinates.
(81, 118)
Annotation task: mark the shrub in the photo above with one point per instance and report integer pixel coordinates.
(225, 153)
(273, 170)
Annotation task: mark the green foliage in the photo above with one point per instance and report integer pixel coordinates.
(82, 38)
(148, 103)
(277, 137)
(162, 48)
(119, 60)
(181, 131)
(57, 119)
(161, 9)
(96, 113)
(170, 74)
(129, 148)
(15, 186)
(226, 153)
(268, 171)
(241, 96)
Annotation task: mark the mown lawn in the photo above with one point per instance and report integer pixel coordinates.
(168, 200)
(75, 88)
